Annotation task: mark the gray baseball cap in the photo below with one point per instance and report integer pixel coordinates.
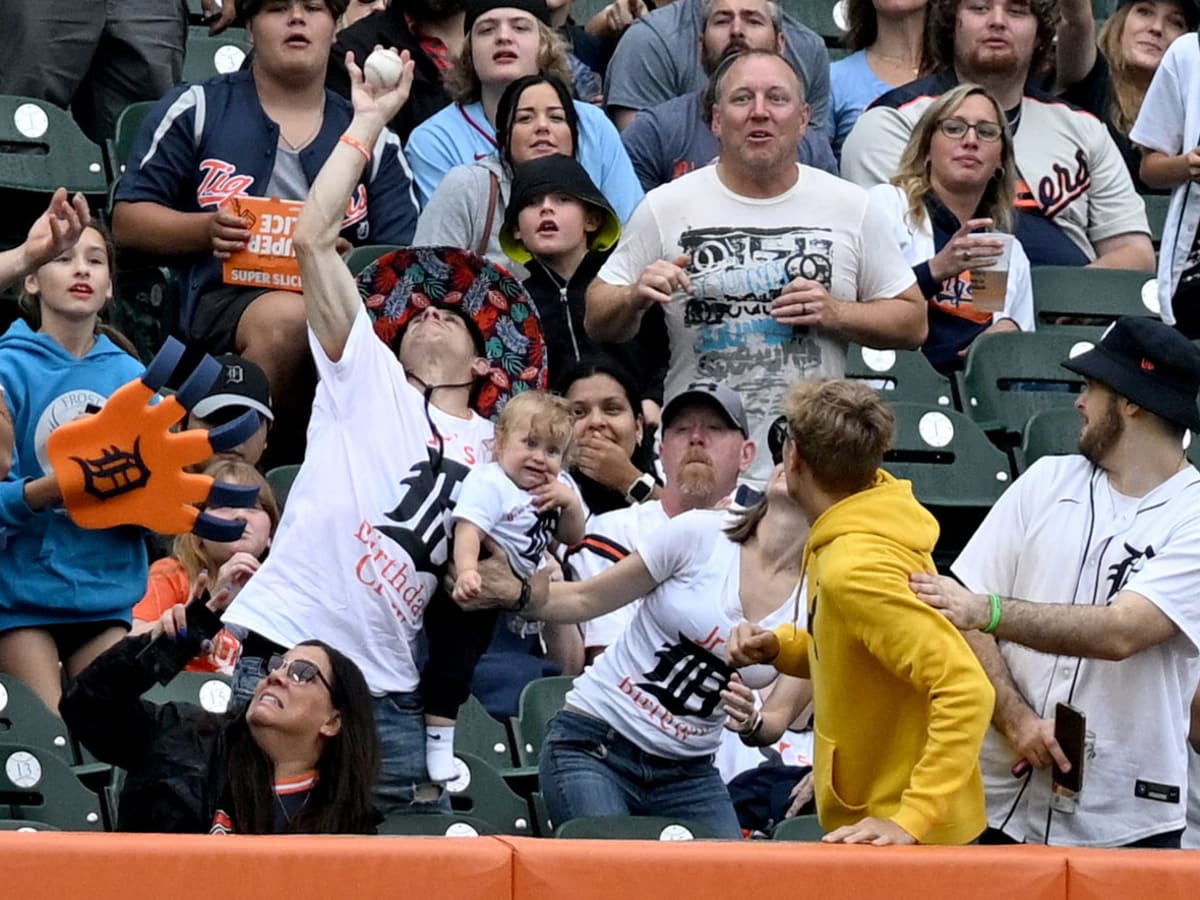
(716, 394)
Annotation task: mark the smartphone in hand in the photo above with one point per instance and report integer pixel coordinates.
(1070, 730)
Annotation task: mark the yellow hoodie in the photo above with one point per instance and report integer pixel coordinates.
(901, 703)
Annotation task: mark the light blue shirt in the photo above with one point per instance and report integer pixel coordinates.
(457, 135)
(852, 88)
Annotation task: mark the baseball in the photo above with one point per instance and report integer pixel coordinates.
(383, 68)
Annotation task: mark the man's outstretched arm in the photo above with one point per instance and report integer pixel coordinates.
(331, 298)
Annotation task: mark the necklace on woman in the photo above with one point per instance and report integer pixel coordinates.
(901, 61)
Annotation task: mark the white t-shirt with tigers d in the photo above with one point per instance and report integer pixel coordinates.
(659, 685)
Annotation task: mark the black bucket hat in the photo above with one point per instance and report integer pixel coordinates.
(556, 175)
(1148, 363)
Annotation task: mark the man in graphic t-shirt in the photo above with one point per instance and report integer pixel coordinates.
(759, 263)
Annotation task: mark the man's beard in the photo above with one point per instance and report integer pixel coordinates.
(710, 60)
(990, 62)
(1099, 437)
(697, 477)
(433, 10)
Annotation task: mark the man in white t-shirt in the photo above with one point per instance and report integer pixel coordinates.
(365, 536)
(760, 264)
(1104, 549)
(704, 449)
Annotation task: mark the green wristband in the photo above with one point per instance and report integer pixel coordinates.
(994, 621)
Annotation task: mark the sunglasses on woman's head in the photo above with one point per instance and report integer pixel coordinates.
(956, 129)
(300, 671)
(776, 438)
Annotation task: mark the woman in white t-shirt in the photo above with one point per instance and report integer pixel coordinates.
(642, 724)
(956, 180)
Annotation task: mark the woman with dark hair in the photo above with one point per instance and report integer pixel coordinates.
(300, 757)
(956, 177)
(886, 43)
(613, 461)
(536, 117)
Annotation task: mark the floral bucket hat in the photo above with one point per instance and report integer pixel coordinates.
(400, 284)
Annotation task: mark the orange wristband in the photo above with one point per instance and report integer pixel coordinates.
(357, 145)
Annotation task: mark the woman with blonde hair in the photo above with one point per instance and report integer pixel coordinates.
(505, 40)
(956, 178)
(230, 564)
(1131, 46)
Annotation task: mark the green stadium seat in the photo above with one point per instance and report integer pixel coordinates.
(25, 825)
(1156, 212)
(540, 700)
(956, 472)
(146, 304)
(25, 719)
(905, 375)
(119, 146)
(443, 824)
(1075, 296)
(479, 791)
(542, 826)
(634, 828)
(207, 55)
(1012, 375)
(280, 479)
(948, 459)
(1051, 432)
(361, 257)
(208, 690)
(826, 17)
(41, 149)
(478, 734)
(583, 11)
(39, 786)
(799, 828)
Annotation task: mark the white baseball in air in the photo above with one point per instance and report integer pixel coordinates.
(383, 68)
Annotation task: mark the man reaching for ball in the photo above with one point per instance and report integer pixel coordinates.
(265, 132)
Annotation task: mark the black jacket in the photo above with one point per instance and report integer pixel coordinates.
(561, 307)
(389, 29)
(174, 755)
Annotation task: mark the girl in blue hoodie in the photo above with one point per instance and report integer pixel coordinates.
(65, 592)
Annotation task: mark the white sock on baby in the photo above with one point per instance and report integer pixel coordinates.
(439, 753)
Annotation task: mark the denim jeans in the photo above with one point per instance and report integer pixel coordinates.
(404, 784)
(588, 769)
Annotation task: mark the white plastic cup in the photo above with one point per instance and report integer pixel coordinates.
(989, 286)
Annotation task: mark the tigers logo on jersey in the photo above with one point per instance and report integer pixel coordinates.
(221, 183)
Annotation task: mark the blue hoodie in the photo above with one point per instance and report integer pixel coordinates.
(51, 570)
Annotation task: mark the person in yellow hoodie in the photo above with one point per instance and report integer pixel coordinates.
(901, 702)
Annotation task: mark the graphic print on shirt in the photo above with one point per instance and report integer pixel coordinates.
(221, 183)
(66, 407)
(1065, 184)
(421, 525)
(687, 679)
(1121, 571)
(539, 535)
(736, 274)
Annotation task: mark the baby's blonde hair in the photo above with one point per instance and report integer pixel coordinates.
(547, 415)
